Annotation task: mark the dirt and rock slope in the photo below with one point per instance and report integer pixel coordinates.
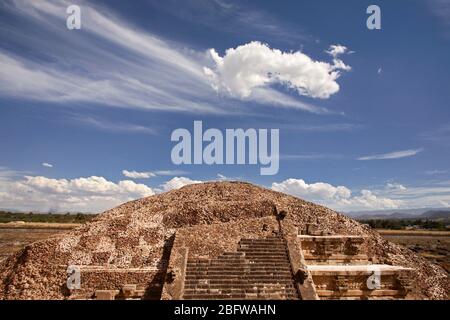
(137, 234)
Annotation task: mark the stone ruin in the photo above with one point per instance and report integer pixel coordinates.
(221, 240)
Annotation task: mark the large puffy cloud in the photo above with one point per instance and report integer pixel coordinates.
(177, 182)
(96, 194)
(88, 194)
(314, 191)
(256, 65)
(368, 200)
(83, 194)
(335, 197)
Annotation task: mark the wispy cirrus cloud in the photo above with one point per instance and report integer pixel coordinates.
(138, 175)
(112, 126)
(133, 174)
(235, 17)
(392, 155)
(137, 69)
(46, 164)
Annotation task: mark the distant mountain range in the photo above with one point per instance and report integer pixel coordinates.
(424, 213)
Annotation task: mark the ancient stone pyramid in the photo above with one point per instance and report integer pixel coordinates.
(176, 245)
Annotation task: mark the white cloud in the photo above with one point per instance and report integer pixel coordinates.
(147, 174)
(170, 172)
(393, 155)
(177, 182)
(138, 175)
(148, 72)
(380, 70)
(270, 96)
(395, 186)
(336, 49)
(6, 173)
(46, 164)
(106, 125)
(391, 196)
(431, 195)
(368, 200)
(255, 65)
(88, 194)
(314, 191)
(335, 197)
(140, 70)
(96, 194)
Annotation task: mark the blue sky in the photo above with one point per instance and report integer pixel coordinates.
(78, 107)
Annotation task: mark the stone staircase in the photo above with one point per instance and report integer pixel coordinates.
(260, 269)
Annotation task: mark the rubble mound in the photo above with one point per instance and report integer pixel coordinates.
(138, 235)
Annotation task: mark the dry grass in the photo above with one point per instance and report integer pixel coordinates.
(38, 225)
(17, 234)
(432, 245)
(414, 233)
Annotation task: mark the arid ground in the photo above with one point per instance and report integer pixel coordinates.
(432, 245)
(15, 236)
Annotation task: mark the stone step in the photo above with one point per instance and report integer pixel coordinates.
(241, 267)
(239, 276)
(253, 256)
(264, 253)
(230, 273)
(261, 249)
(240, 279)
(236, 286)
(255, 289)
(277, 246)
(243, 271)
(238, 291)
(268, 260)
(262, 241)
(259, 269)
(237, 282)
(238, 266)
(242, 288)
(230, 261)
(247, 264)
(240, 296)
(233, 254)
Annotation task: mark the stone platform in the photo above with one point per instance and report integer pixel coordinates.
(340, 269)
